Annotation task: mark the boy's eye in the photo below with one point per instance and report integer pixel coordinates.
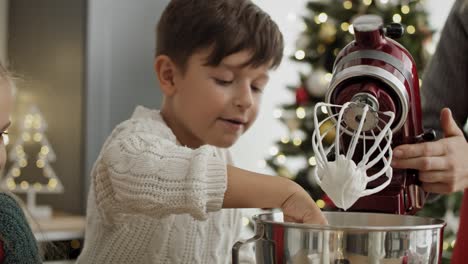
(256, 89)
(223, 82)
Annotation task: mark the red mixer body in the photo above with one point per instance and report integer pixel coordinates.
(381, 67)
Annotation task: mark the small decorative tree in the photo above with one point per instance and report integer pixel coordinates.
(32, 174)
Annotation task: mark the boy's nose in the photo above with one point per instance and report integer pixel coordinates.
(244, 97)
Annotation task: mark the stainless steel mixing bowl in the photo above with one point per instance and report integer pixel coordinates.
(351, 238)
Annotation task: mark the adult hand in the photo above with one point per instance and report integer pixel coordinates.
(442, 164)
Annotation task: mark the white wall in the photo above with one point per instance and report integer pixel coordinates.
(120, 52)
(3, 30)
(255, 144)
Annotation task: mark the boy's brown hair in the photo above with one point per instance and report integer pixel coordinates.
(228, 26)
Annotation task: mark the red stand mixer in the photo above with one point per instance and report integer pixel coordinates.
(377, 72)
(373, 101)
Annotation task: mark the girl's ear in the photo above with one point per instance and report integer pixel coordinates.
(165, 70)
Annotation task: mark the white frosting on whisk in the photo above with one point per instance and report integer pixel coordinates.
(340, 177)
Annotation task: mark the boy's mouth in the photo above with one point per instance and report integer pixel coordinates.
(234, 121)
(234, 124)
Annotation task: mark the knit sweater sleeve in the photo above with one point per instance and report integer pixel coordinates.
(445, 82)
(141, 171)
(19, 244)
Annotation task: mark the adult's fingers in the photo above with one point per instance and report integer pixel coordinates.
(448, 124)
(426, 149)
(422, 163)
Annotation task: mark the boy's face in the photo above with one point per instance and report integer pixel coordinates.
(214, 105)
(6, 104)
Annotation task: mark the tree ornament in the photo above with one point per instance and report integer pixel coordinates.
(327, 128)
(317, 83)
(327, 33)
(302, 97)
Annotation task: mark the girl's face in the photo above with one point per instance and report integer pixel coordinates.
(6, 106)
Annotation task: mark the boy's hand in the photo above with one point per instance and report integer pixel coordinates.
(300, 208)
(247, 189)
(442, 164)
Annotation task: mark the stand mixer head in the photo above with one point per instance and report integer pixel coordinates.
(374, 102)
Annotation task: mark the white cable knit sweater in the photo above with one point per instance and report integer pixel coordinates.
(154, 201)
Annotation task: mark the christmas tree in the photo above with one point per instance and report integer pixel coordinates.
(32, 174)
(328, 29)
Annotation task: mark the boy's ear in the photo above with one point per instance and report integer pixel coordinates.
(165, 70)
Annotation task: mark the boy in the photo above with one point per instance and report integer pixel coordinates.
(163, 176)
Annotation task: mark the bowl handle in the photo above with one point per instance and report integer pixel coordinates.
(236, 248)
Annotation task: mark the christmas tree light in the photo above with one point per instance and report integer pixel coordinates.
(32, 138)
